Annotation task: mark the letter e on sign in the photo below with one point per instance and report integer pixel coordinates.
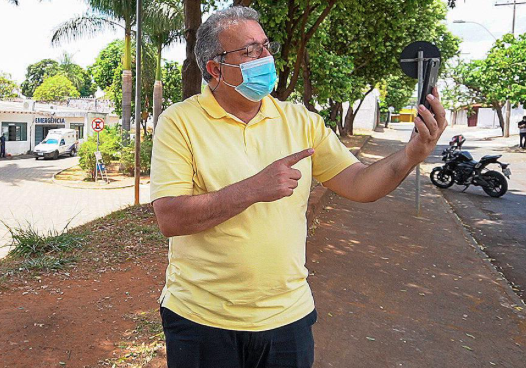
(97, 125)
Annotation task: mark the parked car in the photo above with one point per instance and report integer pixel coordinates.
(57, 142)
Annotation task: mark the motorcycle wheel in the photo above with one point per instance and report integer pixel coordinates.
(498, 184)
(442, 179)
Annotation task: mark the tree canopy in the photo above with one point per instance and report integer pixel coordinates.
(107, 73)
(55, 88)
(37, 72)
(491, 81)
(8, 87)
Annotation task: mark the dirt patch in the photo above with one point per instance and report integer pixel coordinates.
(99, 311)
(76, 173)
(76, 177)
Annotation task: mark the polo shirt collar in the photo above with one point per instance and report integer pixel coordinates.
(209, 103)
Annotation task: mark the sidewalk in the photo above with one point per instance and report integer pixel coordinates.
(393, 290)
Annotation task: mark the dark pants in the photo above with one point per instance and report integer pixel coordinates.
(523, 140)
(2, 151)
(192, 345)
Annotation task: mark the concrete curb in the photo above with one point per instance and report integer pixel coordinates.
(81, 185)
(320, 195)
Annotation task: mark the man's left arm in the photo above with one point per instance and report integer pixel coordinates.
(368, 183)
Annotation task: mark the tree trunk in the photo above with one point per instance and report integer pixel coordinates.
(127, 82)
(351, 115)
(191, 75)
(127, 86)
(454, 118)
(157, 88)
(348, 128)
(157, 102)
(498, 108)
(307, 85)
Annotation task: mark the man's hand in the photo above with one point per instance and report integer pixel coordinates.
(278, 179)
(429, 130)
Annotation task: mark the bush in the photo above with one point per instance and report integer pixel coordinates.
(128, 156)
(109, 147)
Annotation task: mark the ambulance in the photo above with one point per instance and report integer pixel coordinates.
(58, 142)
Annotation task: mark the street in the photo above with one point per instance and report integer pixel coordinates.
(497, 224)
(29, 196)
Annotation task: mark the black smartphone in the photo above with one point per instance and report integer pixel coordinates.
(430, 81)
(431, 68)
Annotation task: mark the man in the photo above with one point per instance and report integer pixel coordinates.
(2, 145)
(522, 132)
(231, 175)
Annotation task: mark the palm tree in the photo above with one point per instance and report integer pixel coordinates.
(163, 24)
(104, 15)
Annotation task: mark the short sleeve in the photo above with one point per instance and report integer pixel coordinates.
(330, 155)
(171, 170)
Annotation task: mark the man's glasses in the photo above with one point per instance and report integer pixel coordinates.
(255, 50)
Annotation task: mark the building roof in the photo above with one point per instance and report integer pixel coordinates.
(43, 109)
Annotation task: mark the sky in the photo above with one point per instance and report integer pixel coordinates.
(25, 32)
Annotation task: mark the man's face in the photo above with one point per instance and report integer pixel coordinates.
(243, 34)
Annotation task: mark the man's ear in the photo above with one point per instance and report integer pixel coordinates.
(213, 68)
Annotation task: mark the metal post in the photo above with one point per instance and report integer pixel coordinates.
(420, 86)
(508, 104)
(97, 141)
(138, 102)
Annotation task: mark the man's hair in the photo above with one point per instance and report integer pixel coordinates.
(207, 45)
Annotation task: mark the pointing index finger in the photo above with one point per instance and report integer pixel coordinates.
(297, 157)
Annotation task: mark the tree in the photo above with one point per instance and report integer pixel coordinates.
(8, 87)
(357, 47)
(497, 78)
(107, 73)
(106, 63)
(80, 78)
(172, 83)
(163, 25)
(398, 90)
(55, 88)
(293, 23)
(107, 14)
(36, 73)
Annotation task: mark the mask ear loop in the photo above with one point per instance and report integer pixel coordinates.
(220, 75)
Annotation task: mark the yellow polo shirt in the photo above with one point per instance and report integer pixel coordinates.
(247, 273)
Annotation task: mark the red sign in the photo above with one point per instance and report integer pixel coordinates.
(97, 124)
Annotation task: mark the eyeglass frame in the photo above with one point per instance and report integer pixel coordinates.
(224, 53)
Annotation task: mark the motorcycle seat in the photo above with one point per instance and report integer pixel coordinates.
(490, 157)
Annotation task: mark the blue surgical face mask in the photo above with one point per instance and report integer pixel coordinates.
(259, 78)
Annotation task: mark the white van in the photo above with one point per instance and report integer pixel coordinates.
(58, 142)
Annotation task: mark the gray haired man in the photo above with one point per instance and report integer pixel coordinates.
(230, 180)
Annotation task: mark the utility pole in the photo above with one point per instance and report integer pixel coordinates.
(138, 115)
(508, 103)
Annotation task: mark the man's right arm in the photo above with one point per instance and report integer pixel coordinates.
(186, 215)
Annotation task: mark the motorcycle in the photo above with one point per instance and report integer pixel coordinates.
(460, 168)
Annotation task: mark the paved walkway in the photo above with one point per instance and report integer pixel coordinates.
(28, 195)
(394, 290)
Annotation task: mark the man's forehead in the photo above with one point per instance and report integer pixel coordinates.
(242, 33)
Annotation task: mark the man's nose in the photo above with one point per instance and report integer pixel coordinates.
(265, 53)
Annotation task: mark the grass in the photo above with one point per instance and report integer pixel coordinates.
(29, 242)
(36, 251)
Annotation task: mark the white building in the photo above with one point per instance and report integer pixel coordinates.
(26, 123)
